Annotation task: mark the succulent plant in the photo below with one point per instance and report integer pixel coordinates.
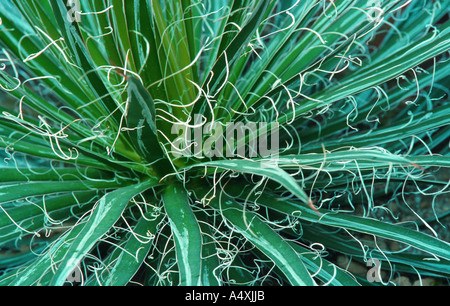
(135, 137)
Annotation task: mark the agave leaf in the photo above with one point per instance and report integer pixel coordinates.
(193, 24)
(175, 58)
(231, 49)
(324, 270)
(134, 25)
(122, 31)
(73, 38)
(105, 214)
(37, 271)
(32, 216)
(229, 52)
(17, 191)
(38, 207)
(359, 159)
(273, 52)
(396, 64)
(210, 260)
(425, 122)
(141, 121)
(80, 158)
(372, 105)
(402, 261)
(265, 239)
(43, 107)
(48, 174)
(65, 84)
(151, 74)
(124, 262)
(187, 236)
(366, 225)
(359, 89)
(263, 169)
(163, 269)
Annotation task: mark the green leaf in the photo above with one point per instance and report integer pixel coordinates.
(124, 262)
(369, 76)
(17, 191)
(187, 236)
(175, 58)
(32, 216)
(232, 52)
(104, 215)
(390, 133)
(265, 239)
(351, 247)
(48, 174)
(141, 121)
(73, 38)
(264, 169)
(366, 225)
(141, 117)
(120, 24)
(326, 271)
(36, 272)
(358, 159)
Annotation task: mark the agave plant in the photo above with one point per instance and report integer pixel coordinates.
(116, 170)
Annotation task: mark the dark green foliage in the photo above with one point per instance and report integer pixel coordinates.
(96, 187)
